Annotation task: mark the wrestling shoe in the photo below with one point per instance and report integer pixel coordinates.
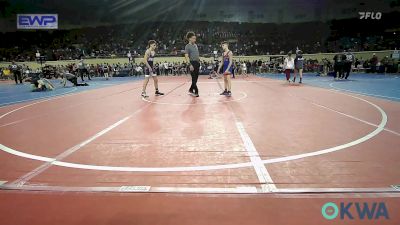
(158, 93)
(144, 95)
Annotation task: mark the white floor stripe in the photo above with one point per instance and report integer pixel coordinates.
(25, 178)
(152, 169)
(380, 128)
(387, 192)
(267, 184)
(355, 118)
(249, 189)
(25, 155)
(144, 189)
(338, 190)
(362, 93)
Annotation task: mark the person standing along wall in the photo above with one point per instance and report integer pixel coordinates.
(16, 70)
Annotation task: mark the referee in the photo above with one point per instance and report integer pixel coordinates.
(193, 59)
(347, 64)
(17, 72)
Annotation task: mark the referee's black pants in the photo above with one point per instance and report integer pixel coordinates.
(83, 72)
(195, 76)
(73, 80)
(347, 70)
(17, 76)
(80, 72)
(338, 69)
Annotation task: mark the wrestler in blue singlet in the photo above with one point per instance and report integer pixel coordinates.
(226, 63)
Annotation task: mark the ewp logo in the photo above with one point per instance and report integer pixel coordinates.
(355, 210)
(37, 21)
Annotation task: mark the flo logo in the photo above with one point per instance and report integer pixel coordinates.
(370, 15)
(355, 210)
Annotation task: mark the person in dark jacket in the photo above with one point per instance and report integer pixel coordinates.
(298, 66)
(16, 70)
(338, 65)
(348, 62)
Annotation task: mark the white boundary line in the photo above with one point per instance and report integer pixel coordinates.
(379, 128)
(267, 184)
(265, 179)
(361, 93)
(25, 178)
(25, 155)
(376, 192)
(355, 118)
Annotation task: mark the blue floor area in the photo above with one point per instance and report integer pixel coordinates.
(375, 85)
(11, 93)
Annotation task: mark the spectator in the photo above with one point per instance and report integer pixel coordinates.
(373, 63)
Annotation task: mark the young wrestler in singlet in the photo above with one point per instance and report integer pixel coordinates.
(227, 68)
(149, 61)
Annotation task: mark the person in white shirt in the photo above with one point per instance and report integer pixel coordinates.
(161, 66)
(244, 69)
(106, 71)
(27, 71)
(129, 55)
(166, 68)
(82, 70)
(288, 66)
(170, 68)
